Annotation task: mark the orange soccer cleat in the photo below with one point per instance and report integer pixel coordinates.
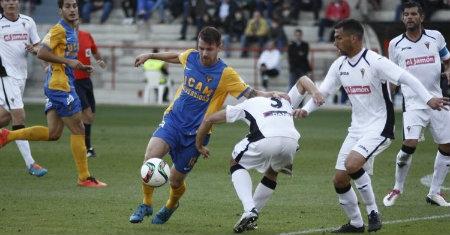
(91, 182)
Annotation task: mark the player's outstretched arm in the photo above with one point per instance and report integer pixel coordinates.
(250, 93)
(45, 54)
(32, 48)
(205, 127)
(305, 84)
(169, 57)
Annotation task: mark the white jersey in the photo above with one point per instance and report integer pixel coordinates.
(364, 78)
(267, 117)
(423, 60)
(13, 37)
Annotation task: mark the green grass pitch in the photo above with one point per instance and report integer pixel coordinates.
(55, 205)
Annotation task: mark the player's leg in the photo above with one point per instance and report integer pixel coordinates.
(5, 116)
(18, 122)
(265, 188)
(346, 195)
(88, 118)
(412, 129)
(85, 92)
(441, 133)
(156, 148)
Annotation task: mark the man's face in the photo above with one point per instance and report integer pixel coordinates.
(208, 52)
(298, 36)
(412, 18)
(10, 6)
(69, 11)
(343, 41)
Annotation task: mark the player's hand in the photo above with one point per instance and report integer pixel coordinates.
(439, 103)
(300, 113)
(280, 95)
(140, 59)
(75, 64)
(204, 151)
(318, 98)
(30, 48)
(101, 63)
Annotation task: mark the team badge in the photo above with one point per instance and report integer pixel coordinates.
(408, 128)
(363, 71)
(427, 44)
(23, 24)
(208, 78)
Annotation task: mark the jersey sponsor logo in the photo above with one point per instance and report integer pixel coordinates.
(357, 90)
(420, 60)
(276, 113)
(16, 37)
(406, 48)
(363, 148)
(197, 89)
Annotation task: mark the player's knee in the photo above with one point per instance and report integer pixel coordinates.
(54, 135)
(269, 183)
(235, 167)
(5, 119)
(444, 149)
(351, 167)
(271, 174)
(411, 143)
(176, 183)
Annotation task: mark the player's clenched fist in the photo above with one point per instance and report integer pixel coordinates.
(140, 59)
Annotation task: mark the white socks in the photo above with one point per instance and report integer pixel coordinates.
(263, 192)
(24, 148)
(349, 202)
(364, 185)
(441, 168)
(401, 169)
(243, 185)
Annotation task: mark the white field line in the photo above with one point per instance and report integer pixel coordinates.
(318, 230)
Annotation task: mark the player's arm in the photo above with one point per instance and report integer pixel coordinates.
(99, 59)
(250, 93)
(169, 57)
(32, 48)
(205, 127)
(305, 84)
(44, 53)
(447, 70)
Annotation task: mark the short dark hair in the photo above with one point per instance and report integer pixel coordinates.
(210, 35)
(411, 4)
(61, 3)
(351, 26)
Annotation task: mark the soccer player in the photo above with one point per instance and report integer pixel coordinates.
(418, 51)
(83, 84)
(207, 82)
(364, 75)
(19, 37)
(269, 147)
(63, 108)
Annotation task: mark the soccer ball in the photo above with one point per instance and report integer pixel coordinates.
(155, 172)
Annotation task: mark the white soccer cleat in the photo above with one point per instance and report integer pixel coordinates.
(437, 200)
(389, 199)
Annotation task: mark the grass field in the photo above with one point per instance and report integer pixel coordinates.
(305, 202)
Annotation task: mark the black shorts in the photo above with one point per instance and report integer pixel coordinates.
(86, 93)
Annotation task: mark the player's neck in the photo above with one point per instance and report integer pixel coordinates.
(11, 16)
(354, 51)
(414, 34)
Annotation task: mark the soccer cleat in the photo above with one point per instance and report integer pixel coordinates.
(247, 221)
(140, 212)
(91, 182)
(37, 170)
(91, 152)
(437, 200)
(374, 222)
(390, 198)
(163, 215)
(3, 137)
(348, 228)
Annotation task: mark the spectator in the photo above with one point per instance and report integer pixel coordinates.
(192, 11)
(336, 10)
(224, 11)
(278, 35)
(144, 10)
(256, 30)
(364, 5)
(298, 51)
(268, 63)
(233, 29)
(129, 10)
(94, 5)
(160, 5)
(305, 5)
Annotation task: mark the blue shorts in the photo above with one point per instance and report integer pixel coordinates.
(66, 104)
(183, 152)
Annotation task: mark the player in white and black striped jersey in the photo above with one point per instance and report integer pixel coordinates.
(18, 37)
(421, 51)
(269, 147)
(365, 75)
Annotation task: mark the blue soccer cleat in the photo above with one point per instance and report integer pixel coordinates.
(163, 215)
(140, 212)
(37, 170)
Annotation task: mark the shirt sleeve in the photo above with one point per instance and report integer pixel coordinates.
(233, 83)
(235, 113)
(184, 56)
(442, 47)
(93, 45)
(391, 52)
(387, 70)
(54, 37)
(34, 36)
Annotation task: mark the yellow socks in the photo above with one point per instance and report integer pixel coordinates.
(148, 194)
(175, 195)
(34, 133)
(79, 155)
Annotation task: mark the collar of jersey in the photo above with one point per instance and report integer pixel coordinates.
(355, 59)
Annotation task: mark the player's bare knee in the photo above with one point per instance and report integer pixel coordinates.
(444, 149)
(175, 182)
(271, 174)
(341, 179)
(412, 143)
(351, 167)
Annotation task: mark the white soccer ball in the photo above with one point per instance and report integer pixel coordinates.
(155, 172)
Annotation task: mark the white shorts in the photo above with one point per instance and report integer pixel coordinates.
(11, 91)
(275, 152)
(437, 121)
(368, 145)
